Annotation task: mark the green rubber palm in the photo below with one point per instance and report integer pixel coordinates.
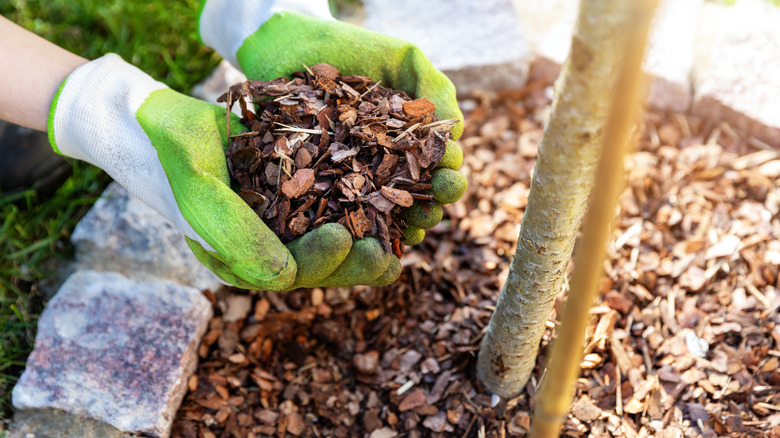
(288, 41)
(190, 136)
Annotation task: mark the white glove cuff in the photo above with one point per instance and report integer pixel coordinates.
(225, 24)
(94, 120)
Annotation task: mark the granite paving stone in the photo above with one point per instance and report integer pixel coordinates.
(479, 45)
(115, 349)
(736, 70)
(122, 234)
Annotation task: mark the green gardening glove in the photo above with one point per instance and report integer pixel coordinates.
(284, 41)
(167, 149)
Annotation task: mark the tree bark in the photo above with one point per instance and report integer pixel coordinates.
(560, 187)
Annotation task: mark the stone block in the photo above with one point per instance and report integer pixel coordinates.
(735, 74)
(479, 45)
(670, 55)
(120, 233)
(548, 26)
(115, 349)
(53, 423)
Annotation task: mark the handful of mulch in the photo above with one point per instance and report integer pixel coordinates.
(329, 148)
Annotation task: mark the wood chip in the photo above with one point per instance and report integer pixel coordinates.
(301, 182)
(419, 108)
(400, 197)
(412, 400)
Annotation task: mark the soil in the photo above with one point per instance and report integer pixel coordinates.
(684, 340)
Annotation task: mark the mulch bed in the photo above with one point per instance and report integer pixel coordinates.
(683, 343)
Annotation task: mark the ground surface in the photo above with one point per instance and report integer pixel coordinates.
(684, 342)
(456, 280)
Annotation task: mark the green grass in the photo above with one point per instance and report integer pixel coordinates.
(34, 235)
(160, 38)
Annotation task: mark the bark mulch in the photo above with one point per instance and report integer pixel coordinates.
(683, 343)
(329, 148)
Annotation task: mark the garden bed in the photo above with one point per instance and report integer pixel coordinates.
(684, 341)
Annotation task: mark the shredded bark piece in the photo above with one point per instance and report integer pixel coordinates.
(419, 107)
(400, 197)
(301, 182)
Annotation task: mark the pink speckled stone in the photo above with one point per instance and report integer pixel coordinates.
(117, 350)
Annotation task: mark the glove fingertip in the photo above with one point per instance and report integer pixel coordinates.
(453, 156)
(319, 252)
(413, 235)
(457, 130)
(448, 185)
(447, 109)
(391, 274)
(366, 261)
(424, 217)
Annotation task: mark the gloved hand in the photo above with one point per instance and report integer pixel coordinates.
(274, 38)
(168, 150)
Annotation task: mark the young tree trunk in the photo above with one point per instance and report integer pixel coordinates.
(553, 398)
(565, 169)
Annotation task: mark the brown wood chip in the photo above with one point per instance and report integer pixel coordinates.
(400, 197)
(419, 107)
(299, 184)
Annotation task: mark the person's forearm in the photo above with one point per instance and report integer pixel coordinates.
(31, 71)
